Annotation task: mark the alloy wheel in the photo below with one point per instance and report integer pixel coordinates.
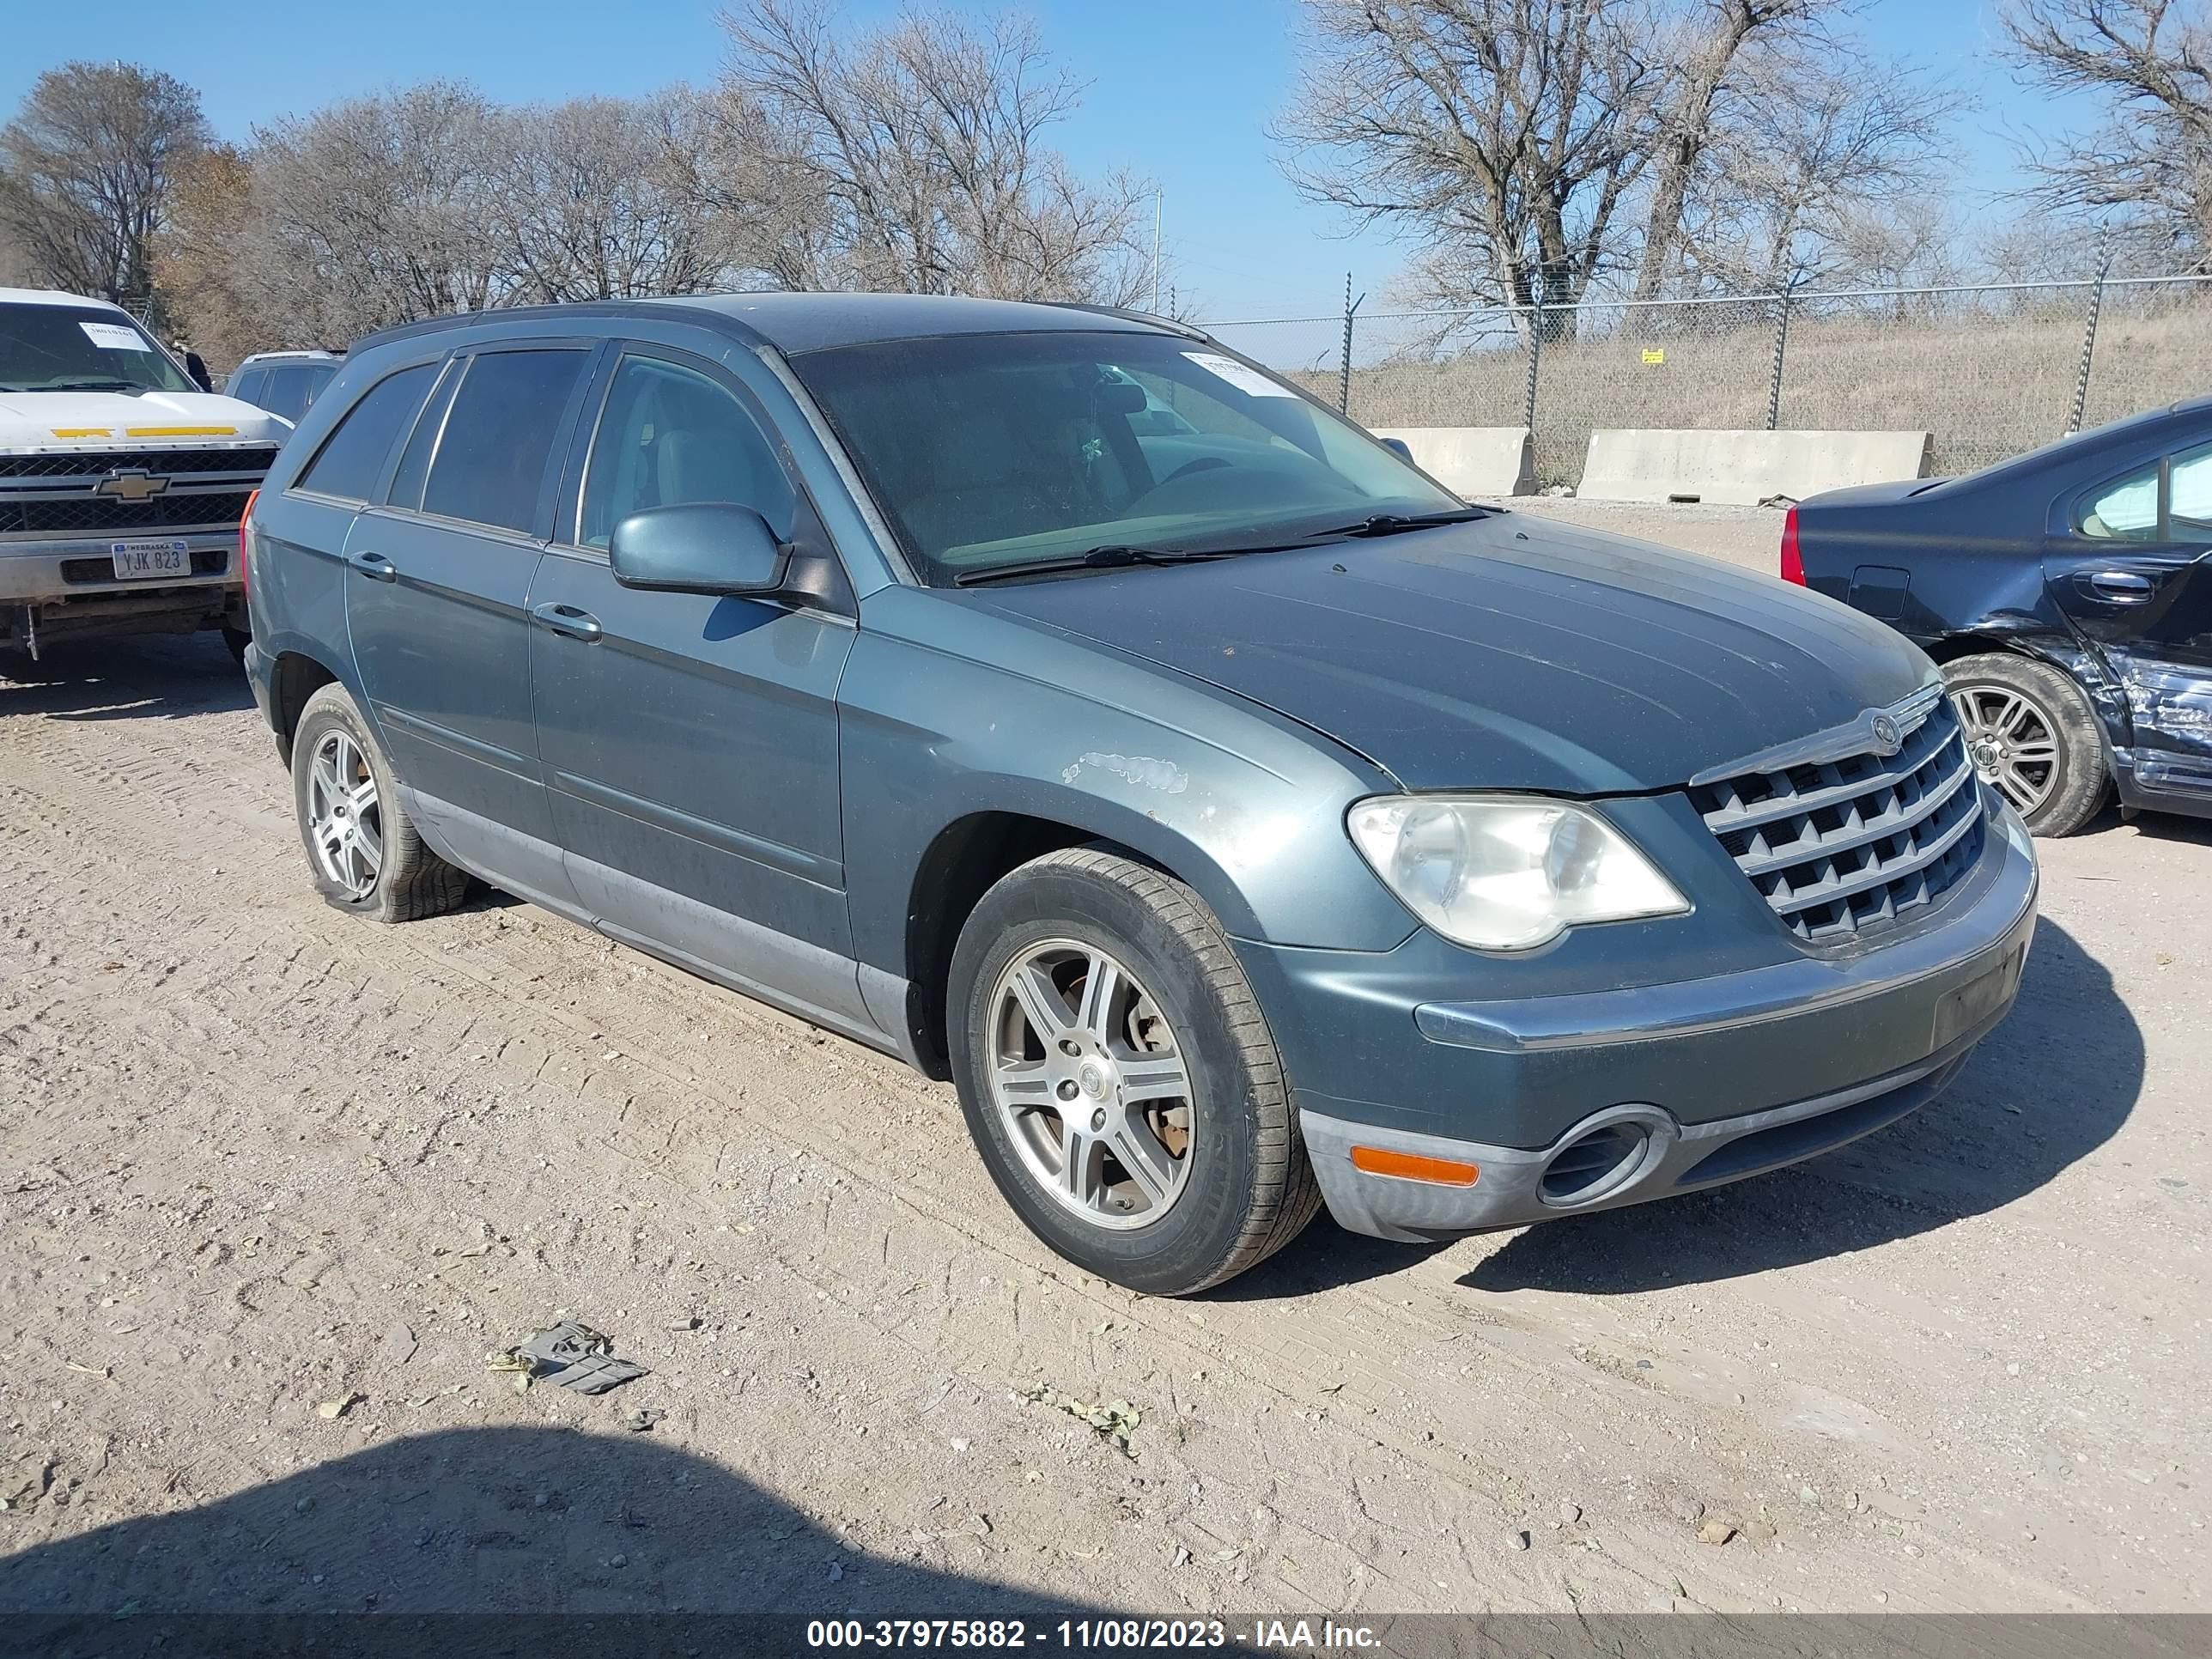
(345, 816)
(1092, 1084)
(2012, 741)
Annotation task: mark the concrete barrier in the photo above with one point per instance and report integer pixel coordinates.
(1746, 467)
(1474, 460)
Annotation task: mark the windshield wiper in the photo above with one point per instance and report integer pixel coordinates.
(1396, 524)
(110, 384)
(1114, 556)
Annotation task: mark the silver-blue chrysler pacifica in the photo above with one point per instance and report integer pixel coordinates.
(1243, 823)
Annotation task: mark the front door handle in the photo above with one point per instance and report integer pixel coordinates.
(375, 564)
(2120, 586)
(566, 619)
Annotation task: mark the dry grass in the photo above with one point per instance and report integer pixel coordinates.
(1988, 381)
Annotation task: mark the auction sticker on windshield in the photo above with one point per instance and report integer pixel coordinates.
(135, 560)
(113, 337)
(1244, 380)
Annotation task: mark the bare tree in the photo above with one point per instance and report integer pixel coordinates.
(2148, 167)
(377, 210)
(913, 157)
(201, 259)
(588, 202)
(85, 170)
(1819, 171)
(1664, 144)
(1503, 138)
(1709, 50)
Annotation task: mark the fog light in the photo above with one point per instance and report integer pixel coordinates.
(1411, 1166)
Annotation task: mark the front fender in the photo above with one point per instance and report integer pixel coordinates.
(947, 712)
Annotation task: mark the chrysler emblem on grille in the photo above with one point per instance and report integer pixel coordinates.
(1887, 740)
(132, 484)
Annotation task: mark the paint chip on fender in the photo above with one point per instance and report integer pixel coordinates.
(1141, 770)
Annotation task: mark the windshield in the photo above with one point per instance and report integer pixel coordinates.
(996, 450)
(80, 349)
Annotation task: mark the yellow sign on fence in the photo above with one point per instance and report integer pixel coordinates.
(1655, 354)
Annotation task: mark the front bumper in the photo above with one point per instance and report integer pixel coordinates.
(54, 591)
(1618, 1097)
(46, 571)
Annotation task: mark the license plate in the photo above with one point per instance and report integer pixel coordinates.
(1963, 1009)
(135, 560)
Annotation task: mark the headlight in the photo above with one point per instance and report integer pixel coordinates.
(1505, 872)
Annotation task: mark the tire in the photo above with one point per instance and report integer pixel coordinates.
(2049, 755)
(405, 880)
(1226, 1187)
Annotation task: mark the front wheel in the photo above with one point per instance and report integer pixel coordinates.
(1118, 1079)
(2032, 735)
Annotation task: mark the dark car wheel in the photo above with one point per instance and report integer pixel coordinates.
(364, 854)
(2033, 735)
(1118, 1078)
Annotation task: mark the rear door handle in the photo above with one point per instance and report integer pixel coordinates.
(2120, 586)
(566, 619)
(375, 564)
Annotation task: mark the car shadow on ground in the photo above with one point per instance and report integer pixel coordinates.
(506, 1519)
(2171, 826)
(147, 678)
(2047, 1087)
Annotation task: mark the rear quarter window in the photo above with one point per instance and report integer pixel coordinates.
(352, 458)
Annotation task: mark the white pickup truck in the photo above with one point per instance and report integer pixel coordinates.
(121, 482)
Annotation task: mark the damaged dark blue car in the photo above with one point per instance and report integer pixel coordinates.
(2067, 592)
(1059, 700)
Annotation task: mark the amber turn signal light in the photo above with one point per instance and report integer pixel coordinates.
(1410, 1166)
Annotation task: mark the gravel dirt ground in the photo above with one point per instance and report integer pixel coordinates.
(275, 1181)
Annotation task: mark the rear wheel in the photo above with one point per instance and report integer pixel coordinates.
(363, 851)
(1118, 1079)
(2032, 735)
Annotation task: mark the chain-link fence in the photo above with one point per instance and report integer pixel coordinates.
(1989, 369)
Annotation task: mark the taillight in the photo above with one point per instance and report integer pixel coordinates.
(1793, 561)
(244, 570)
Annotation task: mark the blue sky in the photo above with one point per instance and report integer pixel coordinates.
(1179, 91)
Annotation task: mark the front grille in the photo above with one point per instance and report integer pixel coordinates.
(1845, 846)
(95, 515)
(93, 465)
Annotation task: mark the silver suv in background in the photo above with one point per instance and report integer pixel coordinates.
(283, 382)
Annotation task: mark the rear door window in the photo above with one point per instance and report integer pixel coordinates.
(2126, 509)
(247, 387)
(287, 391)
(352, 458)
(491, 458)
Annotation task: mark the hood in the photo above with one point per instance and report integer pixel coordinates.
(1505, 653)
(80, 420)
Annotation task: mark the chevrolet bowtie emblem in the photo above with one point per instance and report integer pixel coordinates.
(133, 483)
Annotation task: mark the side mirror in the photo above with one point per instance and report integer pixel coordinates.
(703, 547)
(1405, 450)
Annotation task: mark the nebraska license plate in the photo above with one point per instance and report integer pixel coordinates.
(135, 560)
